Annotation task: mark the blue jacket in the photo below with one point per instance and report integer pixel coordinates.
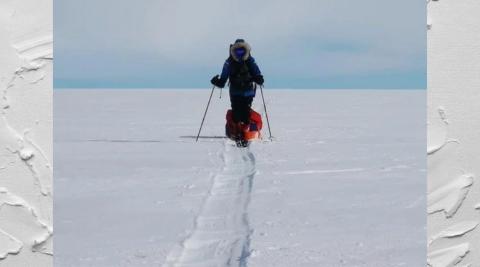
(226, 72)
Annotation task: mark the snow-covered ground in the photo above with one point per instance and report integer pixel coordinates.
(343, 184)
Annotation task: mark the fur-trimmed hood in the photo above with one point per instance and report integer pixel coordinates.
(239, 44)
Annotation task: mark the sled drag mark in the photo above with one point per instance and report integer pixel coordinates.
(221, 233)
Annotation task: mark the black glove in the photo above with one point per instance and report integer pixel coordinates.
(258, 79)
(217, 81)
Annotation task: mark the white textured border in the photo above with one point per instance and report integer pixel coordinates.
(453, 133)
(26, 133)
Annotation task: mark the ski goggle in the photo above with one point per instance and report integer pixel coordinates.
(239, 52)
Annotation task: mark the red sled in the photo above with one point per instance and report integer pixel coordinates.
(244, 132)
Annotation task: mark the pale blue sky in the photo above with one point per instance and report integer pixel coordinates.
(297, 44)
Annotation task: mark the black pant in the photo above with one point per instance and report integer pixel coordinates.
(241, 108)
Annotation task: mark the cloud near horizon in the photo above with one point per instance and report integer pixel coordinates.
(298, 44)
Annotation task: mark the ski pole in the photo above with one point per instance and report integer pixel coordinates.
(204, 115)
(266, 113)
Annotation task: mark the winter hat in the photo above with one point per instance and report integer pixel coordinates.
(236, 50)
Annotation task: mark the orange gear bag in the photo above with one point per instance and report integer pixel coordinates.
(246, 132)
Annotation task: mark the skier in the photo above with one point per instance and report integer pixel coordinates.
(242, 72)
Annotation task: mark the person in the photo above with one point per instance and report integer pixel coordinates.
(241, 70)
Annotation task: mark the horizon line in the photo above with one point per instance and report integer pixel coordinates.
(209, 88)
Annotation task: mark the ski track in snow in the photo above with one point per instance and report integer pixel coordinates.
(221, 233)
